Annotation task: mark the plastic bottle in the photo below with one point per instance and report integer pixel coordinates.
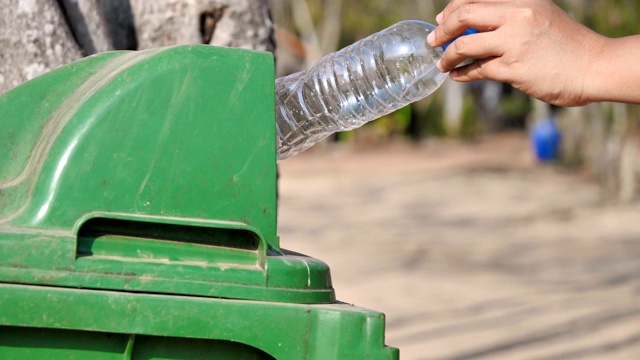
(362, 82)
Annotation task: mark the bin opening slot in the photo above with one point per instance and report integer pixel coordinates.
(128, 238)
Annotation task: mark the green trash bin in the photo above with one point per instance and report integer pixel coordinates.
(138, 218)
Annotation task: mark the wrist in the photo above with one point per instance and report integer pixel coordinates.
(595, 79)
(613, 74)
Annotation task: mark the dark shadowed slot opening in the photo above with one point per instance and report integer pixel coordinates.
(38, 343)
(100, 227)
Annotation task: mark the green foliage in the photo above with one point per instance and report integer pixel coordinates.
(395, 123)
(614, 18)
(360, 18)
(515, 107)
(469, 126)
(428, 120)
(434, 120)
(388, 126)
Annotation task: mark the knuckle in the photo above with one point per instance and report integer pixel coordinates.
(481, 73)
(515, 66)
(462, 46)
(503, 73)
(489, 69)
(444, 32)
(526, 14)
(446, 64)
(464, 13)
(453, 6)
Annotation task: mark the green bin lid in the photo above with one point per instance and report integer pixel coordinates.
(149, 171)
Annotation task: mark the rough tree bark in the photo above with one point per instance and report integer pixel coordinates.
(234, 23)
(40, 35)
(87, 24)
(34, 40)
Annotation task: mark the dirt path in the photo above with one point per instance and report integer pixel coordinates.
(472, 251)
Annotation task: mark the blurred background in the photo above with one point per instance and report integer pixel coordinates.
(460, 216)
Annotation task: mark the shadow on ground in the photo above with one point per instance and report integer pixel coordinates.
(473, 251)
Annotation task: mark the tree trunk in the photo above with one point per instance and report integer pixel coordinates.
(40, 35)
(88, 25)
(34, 40)
(453, 106)
(613, 152)
(573, 123)
(625, 135)
(629, 163)
(234, 23)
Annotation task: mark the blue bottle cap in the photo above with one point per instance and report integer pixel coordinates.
(468, 32)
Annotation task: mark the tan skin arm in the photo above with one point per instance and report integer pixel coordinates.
(539, 49)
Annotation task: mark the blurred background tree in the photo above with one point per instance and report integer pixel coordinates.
(603, 137)
(599, 138)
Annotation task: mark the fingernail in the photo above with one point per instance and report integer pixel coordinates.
(439, 18)
(439, 65)
(431, 38)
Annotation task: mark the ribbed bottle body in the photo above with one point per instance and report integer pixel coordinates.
(362, 82)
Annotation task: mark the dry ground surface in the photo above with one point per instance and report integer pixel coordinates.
(473, 251)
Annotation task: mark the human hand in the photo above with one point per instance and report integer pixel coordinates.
(531, 44)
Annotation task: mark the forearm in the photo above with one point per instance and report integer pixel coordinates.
(539, 49)
(615, 72)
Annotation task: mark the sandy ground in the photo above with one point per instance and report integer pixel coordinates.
(473, 251)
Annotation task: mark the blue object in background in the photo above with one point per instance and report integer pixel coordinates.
(545, 138)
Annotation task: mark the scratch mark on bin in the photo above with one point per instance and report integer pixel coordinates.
(62, 116)
(242, 80)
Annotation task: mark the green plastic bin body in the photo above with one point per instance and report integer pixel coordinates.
(138, 218)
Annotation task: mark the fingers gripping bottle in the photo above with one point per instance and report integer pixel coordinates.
(362, 82)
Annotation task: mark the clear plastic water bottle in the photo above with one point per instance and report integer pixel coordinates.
(362, 82)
